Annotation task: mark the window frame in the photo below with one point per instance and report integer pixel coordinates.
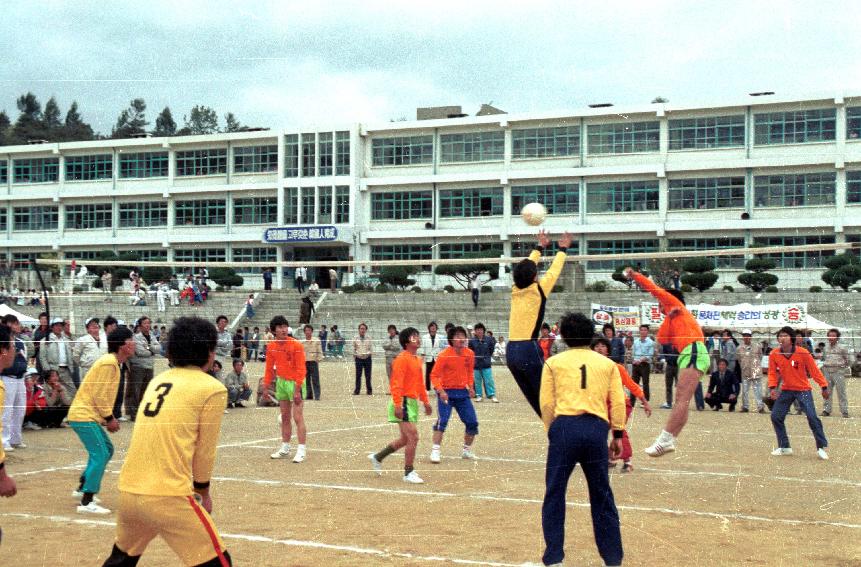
(545, 142)
(706, 190)
(619, 138)
(188, 210)
(627, 190)
(794, 127)
(147, 165)
(470, 202)
(704, 132)
(396, 151)
(205, 162)
(801, 197)
(472, 147)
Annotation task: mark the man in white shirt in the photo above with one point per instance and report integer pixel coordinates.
(160, 294)
(432, 345)
(87, 349)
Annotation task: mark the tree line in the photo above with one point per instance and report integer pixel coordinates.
(37, 123)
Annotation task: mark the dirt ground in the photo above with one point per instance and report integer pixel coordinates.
(721, 499)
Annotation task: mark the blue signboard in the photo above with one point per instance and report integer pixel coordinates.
(300, 234)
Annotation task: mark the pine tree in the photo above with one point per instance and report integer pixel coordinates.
(231, 123)
(75, 129)
(164, 123)
(201, 120)
(29, 124)
(132, 120)
(5, 128)
(51, 121)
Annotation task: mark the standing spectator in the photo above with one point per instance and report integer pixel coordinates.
(333, 279)
(55, 353)
(249, 306)
(107, 283)
(545, 341)
(173, 290)
(641, 360)
(338, 341)
(713, 346)
(87, 349)
(392, 348)
(474, 290)
(835, 368)
(677, 280)
(224, 343)
(300, 275)
(728, 347)
(432, 345)
(267, 279)
(749, 356)
(362, 349)
(313, 356)
(268, 337)
(314, 289)
(483, 346)
(42, 331)
(306, 309)
(15, 404)
(7, 358)
(617, 344)
(323, 335)
(238, 388)
(236, 351)
(161, 293)
(723, 387)
(671, 372)
(253, 344)
(140, 366)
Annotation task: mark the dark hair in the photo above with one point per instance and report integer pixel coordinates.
(307, 327)
(725, 361)
(390, 327)
(140, 320)
(42, 314)
(118, 338)
(404, 337)
(826, 334)
(219, 318)
(9, 319)
(92, 320)
(524, 273)
(217, 362)
(238, 361)
(432, 324)
(609, 326)
(600, 341)
(789, 331)
(545, 325)
(577, 330)
(363, 324)
(277, 321)
(479, 326)
(5, 338)
(453, 331)
(190, 341)
(644, 327)
(110, 320)
(677, 294)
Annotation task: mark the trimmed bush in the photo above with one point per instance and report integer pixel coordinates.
(348, 289)
(728, 288)
(398, 276)
(700, 274)
(843, 271)
(77, 289)
(686, 288)
(416, 289)
(381, 288)
(486, 289)
(449, 288)
(597, 287)
(815, 289)
(771, 289)
(558, 288)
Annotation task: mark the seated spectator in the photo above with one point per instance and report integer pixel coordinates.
(268, 400)
(215, 371)
(57, 402)
(724, 387)
(236, 381)
(35, 399)
(499, 350)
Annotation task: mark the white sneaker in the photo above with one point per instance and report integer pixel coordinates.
(225, 411)
(467, 454)
(32, 426)
(300, 455)
(283, 451)
(780, 451)
(77, 494)
(123, 418)
(413, 478)
(434, 456)
(477, 399)
(494, 399)
(8, 448)
(822, 454)
(93, 508)
(659, 448)
(20, 445)
(378, 466)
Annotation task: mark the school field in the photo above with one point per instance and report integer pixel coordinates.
(721, 499)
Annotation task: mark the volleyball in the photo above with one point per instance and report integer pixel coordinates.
(533, 213)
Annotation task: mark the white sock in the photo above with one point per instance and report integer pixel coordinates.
(666, 436)
(285, 446)
(466, 447)
(300, 447)
(435, 448)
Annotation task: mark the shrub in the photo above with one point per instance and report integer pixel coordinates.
(77, 289)
(486, 289)
(348, 288)
(728, 288)
(416, 289)
(398, 276)
(757, 281)
(464, 273)
(219, 288)
(381, 288)
(97, 283)
(843, 271)
(700, 274)
(225, 277)
(815, 289)
(558, 288)
(686, 288)
(449, 288)
(771, 289)
(152, 274)
(597, 287)
(759, 265)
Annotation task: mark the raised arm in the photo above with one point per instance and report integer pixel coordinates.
(665, 298)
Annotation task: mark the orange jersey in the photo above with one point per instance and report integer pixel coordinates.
(285, 359)
(408, 380)
(793, 370)
(679, 327)
(629, 383)
(453, 371)
(546, 343)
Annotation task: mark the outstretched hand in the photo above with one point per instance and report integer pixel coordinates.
(543, 239)
(628, 271)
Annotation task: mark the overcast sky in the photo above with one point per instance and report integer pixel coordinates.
(290, 64)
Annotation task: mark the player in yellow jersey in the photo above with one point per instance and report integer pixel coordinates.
(575, 387)
(164, 483)
(93, 407)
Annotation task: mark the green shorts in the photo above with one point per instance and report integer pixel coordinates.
(411, 411)
(695, 355)
(285, 390)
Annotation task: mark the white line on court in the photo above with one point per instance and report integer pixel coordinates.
(339, 430)
(288, 542)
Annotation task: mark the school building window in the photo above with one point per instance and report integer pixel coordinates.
(291, 205)
(324, 205)
(686, 244)
(707, 132)
(559, 199)
(404, 205)
(342, 153)
(255, 159)
(255, 210)
(36, 170)
(623, 137)
(89, 168)
(462, 203)
(706, 193)
(795, 127)
(622, 196)
(291, 155)
(201, 212)
(402, 150)
(201, 162)
(562, 141)
(617, 247)
(853, 187)
(144, 165)
(342, 204)
(87, 216)
(36, 218)
(200, 255)
(416, 252)
(255, 254)
(853, 123)
(472, 146)
(460, 249)
(4, 171)
(308, 205)
(795, 190)
(143, 215)
(308, 155)
(787, 260)
(325, 145)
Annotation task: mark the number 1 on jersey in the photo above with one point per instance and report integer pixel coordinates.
(582, 376)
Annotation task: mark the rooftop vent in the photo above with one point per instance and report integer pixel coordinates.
(439, 112)
(487, 110)
(601, 105)
(253, 129)
(35, 142)
(763, 93)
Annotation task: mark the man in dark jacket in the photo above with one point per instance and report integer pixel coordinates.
(723, 387)
(617, 344)
(483, 346)
(671, 372)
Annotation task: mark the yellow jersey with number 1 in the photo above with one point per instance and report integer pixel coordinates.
(176, 432)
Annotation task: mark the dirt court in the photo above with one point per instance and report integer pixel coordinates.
(721, 499)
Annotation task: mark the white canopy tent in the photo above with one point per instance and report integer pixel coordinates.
(23, 319)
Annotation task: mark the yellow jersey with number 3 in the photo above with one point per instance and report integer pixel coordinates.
(579, 381)
(176, 432)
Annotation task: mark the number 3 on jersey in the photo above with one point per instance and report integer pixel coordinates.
(163, 390)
